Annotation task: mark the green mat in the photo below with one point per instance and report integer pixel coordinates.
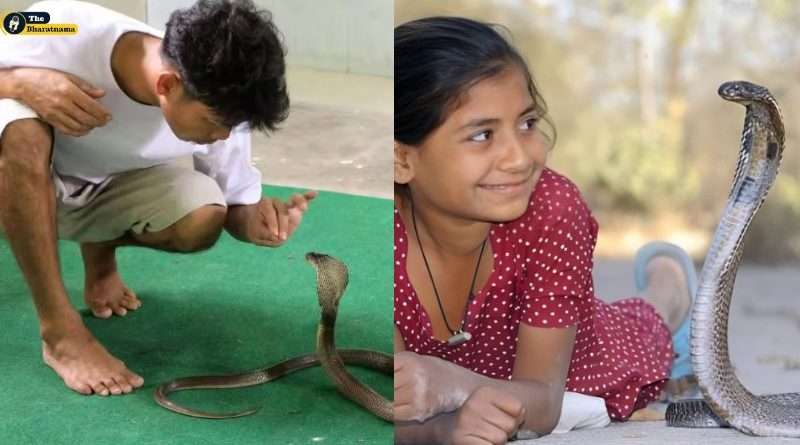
(233, 308)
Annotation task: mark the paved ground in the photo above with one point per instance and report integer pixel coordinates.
(329, 148)
(764, 325)
(338, 136)
(655, 433)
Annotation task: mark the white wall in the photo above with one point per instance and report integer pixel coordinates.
(349, 36)
(133, 8)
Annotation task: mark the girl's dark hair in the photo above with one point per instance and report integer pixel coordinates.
(231, 58)
(436, 60)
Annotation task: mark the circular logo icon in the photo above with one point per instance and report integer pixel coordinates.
(14, 23)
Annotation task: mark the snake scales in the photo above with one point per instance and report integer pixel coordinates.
(332, 278)
(726, 402)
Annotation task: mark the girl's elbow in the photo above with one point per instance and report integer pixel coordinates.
(543, 425)
(553, 411)
(547, 416)
(550, 422)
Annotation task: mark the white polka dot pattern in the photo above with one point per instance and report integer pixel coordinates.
(542, 276)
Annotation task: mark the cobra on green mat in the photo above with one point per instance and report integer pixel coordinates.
(332, 279)
(234, 307)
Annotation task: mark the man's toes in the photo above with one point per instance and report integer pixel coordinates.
(102, 312)
(123, 384)
(100, 389)
(133, 379)
(136, 302)
(130, 302)
(79, 387)
(113, 387)
(129, 293)
(119, 309)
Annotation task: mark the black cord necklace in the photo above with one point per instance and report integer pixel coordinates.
(460, 336)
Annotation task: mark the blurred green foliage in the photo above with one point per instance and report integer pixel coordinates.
(643, 168)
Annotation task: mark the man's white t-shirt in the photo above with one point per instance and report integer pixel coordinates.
(137, 136)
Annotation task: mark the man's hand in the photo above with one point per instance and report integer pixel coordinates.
(488, 417)
(271, 221)
(66, 102)
(425, 386)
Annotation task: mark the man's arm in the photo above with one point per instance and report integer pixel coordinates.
(9, 86)
(236, 222)
(64, 101)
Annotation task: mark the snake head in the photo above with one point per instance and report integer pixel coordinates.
(332, 278)
(744, 92)
(748, 94)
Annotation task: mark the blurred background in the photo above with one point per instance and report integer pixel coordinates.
(632, 90)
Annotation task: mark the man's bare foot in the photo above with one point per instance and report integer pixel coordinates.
(86, 367)
(668, 290)
(104, 292)
(106, 295)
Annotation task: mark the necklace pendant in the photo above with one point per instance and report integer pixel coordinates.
(459, 338)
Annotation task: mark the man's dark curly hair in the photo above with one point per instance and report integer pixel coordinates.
(230, 57)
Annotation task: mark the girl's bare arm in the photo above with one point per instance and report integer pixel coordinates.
(427, 387)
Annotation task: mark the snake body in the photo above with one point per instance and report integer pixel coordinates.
(726, 402)
(332, 278)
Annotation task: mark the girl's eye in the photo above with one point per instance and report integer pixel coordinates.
(529, 124)
(483, 136)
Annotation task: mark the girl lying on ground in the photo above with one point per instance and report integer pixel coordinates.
(495, 312)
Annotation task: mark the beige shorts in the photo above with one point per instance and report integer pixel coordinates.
(144, 200)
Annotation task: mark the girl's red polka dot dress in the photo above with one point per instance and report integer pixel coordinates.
(542, 276)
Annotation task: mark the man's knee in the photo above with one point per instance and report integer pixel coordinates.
(26, 146)
(200, 229)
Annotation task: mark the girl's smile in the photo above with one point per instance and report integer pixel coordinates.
(510, 188)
